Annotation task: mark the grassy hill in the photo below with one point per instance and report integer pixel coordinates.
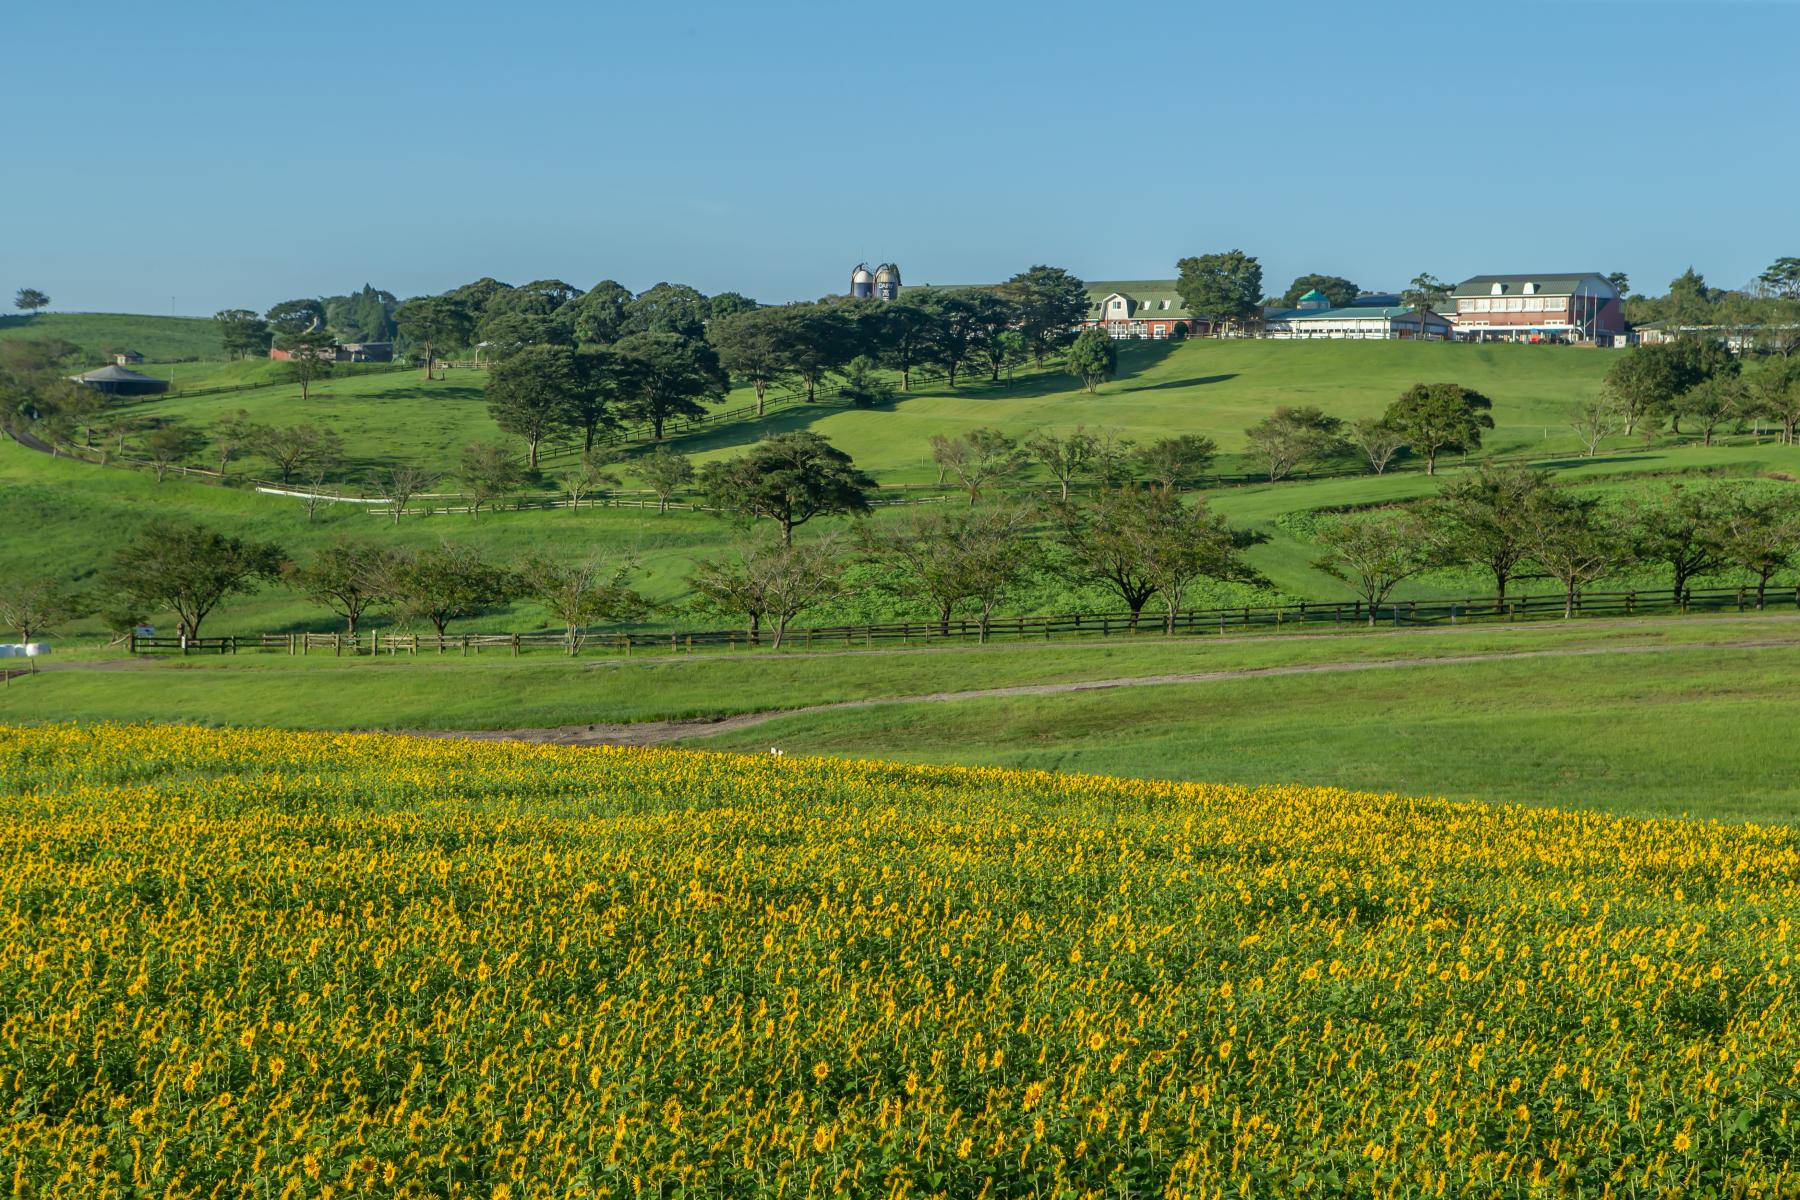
(160, 339)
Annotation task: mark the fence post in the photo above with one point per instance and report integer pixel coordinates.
(337, 645)
(132, 646)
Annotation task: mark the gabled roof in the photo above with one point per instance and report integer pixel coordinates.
(1556, 283)
(1147, 297)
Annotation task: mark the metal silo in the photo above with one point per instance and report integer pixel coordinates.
(887, 282)
(862, 284)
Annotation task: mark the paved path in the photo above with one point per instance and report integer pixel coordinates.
(653, 733)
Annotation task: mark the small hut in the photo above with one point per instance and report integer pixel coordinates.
(117, 381)
(126, 358)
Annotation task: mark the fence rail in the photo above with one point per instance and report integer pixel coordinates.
(1348, 614)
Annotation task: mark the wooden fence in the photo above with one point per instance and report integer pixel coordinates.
(1303, 616)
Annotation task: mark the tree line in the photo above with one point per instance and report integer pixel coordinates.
(1513, 523)
(1136, 538)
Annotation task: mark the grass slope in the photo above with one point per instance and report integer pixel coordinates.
(156, 338)
(1700, 727)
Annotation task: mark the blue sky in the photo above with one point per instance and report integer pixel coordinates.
(198, 154)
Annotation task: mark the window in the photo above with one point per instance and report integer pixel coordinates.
(1534, 303)
(1514, 304)
(1482, 305)
(1165, 305)
(1530, 289)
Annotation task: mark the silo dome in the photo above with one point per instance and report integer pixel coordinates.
(861, 274)
(887, 273)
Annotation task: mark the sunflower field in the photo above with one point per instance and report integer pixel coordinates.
(259, 964)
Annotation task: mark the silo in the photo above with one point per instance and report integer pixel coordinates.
(862, 284)
(887, 282)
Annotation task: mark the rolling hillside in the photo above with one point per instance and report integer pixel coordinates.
(158, 339)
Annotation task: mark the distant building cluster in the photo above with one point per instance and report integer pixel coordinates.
(883, 283)
(345, 352)
(1563, 307)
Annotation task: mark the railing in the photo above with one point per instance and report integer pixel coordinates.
(1304, 615)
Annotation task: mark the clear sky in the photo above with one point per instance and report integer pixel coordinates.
(200, 154)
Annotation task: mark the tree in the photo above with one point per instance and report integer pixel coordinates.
(324, 457)
(30, 300)
(1225, 287)
(789, 478)
(398, 485)
(667, 308)
(434, 323)
(977, 458)
(751, 348)
(1093, 358)
(1377, 440)
(1713, 401)
(863, 387)
(1434, 417)
(1783, 278)
(994, 317)
(1374, 552)
(539, 298)
(311, 355)
(1643, 383)
(1620, 281)
(1068, 457)
(506, 333)
(589, 473)
(35, 606)
(345, 576)
(1775, 390)
(189, 570)
(580, 594)
(530, 394)
(1571, 542)
(242, 333)
(1179, 545)
(1593, 421)
(1760, 535)
(488, 473)
(767, 580)
(171, 444)
(1289, 437)
(1335, 288)
(1174, 461)
(292, 317)
(1425, 293)
(446, 583)
(291, 447)
(602, 380)
(1681, 528)
(1051, 304)
(671, 375)
(942, 557)
(809, 341)
(1482, 520)
(727, 304)
(665, 473)
(600, 313)
(956, 328)
(904, 333)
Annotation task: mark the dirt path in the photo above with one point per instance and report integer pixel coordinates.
(653, 733)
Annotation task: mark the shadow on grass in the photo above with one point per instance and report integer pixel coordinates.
(1598, 461)
(18, 320)
(1197, 381)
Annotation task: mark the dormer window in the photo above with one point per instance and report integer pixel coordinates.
(1499, 289)
(1530, 289)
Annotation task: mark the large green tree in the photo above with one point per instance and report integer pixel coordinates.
(1051, 305)
(667, 308)
(189, 570)
(1483, 520)
(1291, 437)
(345, 576)
(1093, 358)
(530, 393)
(435, 323)
(788, 478)
(600, 313)
(671, 377)
(30, 300)
(1425, 293)
(1435, 417)
(1374, 552)
(242, 333)
(752, 348)
(1335, 288)
(1225, 287)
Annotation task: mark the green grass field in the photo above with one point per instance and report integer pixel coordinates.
(1685, 715)
(158, 339)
